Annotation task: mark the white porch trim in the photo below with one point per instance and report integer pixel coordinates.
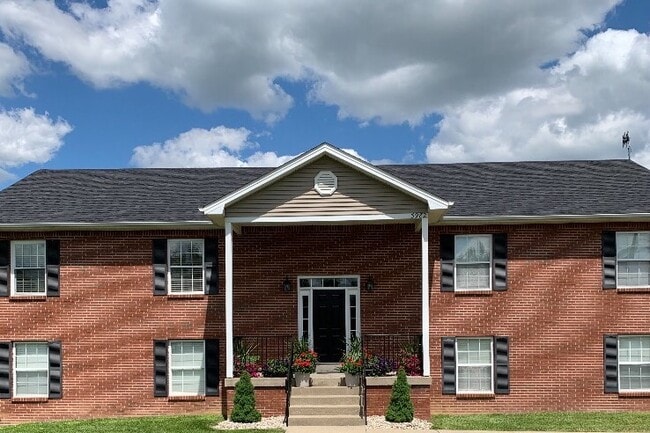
(426, 362)
(230, 357)
(415, 217)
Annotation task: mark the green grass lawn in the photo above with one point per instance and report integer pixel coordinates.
(562, 421)
(158, 424)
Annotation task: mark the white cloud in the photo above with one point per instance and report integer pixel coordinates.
(13, 68)
(26, 137)
(588, 100)
(216, 147)
(391, 63)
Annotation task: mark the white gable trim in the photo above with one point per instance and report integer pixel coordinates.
(217, 208)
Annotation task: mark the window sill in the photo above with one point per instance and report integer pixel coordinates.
(632, 394)
(473, 293)
(186, 398)
(475, 396)
(179, 296)
(633, 290)
(29, 400)
(31, 298)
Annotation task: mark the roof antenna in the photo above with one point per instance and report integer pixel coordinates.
(626, 142)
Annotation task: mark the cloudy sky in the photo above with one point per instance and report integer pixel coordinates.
(144, 83)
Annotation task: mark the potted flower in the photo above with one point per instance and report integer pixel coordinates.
(304, 365)
(352, 363)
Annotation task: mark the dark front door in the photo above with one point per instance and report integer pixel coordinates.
(329, 324)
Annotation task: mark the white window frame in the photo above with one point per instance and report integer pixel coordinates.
(618, 359)
(16, 370)
(491, 365)
(308, 291)
(627, 260)
(489, 262)
(169, 268)
(170, 369)
(13, 283)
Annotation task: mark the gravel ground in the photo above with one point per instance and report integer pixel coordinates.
(374, 422)
(379, 422)
(271, 422)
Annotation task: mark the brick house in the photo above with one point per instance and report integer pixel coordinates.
(525, 285)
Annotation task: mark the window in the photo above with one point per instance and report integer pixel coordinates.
(186, 272)
(633, 259)
(634, 363)
(474, 365)
(473, 262)
(31, 370)
(187, 367)
(28, 268)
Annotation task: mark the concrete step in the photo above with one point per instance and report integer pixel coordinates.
(335, 409)
(318, 420)
(328, 379)
(325, 400)
(325, 390)
(328, 367)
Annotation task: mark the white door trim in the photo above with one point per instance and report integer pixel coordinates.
(308, 292)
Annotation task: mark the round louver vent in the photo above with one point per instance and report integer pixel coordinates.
(325, 183)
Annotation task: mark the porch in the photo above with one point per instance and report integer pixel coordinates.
(327, 285)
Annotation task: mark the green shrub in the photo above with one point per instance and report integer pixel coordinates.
(400, 408)
(243, 409)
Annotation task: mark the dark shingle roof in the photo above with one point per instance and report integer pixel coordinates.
(477, 189)
(535, 188)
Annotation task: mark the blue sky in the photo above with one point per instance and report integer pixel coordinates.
(141, 83)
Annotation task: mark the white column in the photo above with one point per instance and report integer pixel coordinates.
(426, 360)
(230, 359)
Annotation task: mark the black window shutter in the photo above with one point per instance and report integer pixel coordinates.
(160, 267)
(610, 351)
(211, 266)
(609, 260)
(54, 352)
(447, 245)
(499, 261)
(211, 367)
(501, 366)
(5, 372)
(52, 266)
(160, 368)
(448, 365)
(5, 260)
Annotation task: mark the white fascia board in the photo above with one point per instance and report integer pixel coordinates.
(549, 219)
(218, 207)
(322, 219)
(118, 225)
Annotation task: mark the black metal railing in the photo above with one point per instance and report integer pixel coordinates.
(395, 349)
(259, 349)
(364, 388)
(288, 385)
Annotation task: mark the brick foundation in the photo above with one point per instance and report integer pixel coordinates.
(269, 401)
(379, 397)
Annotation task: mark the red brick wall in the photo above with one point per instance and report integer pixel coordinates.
(379, 397)
(555, 313)
(268, 401)
(107, 319)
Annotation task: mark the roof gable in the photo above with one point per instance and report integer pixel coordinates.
(217, 209)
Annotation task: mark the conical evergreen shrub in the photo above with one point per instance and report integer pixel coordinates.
(243, 409)
(400, 408)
